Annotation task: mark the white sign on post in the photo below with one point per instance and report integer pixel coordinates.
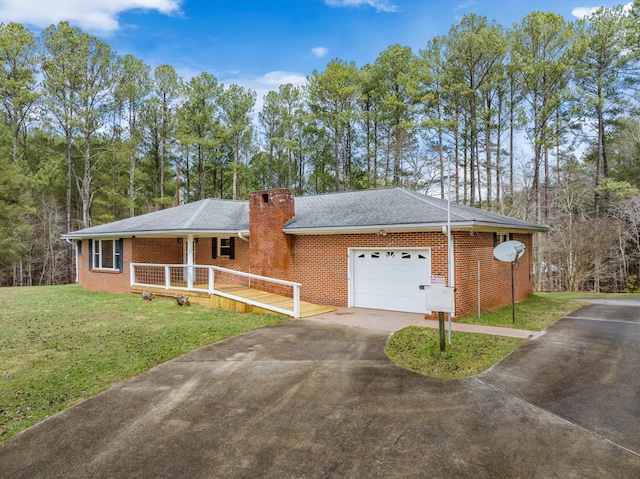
(439, 298)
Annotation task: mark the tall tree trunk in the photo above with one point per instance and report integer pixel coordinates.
(68, 248)
(487, 146)
(498, 152)
(85, 187)
(472, 156)
(546, 184)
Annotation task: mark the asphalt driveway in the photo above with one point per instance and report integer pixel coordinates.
(305, 399)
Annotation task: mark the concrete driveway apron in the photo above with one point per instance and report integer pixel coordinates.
(310, 400)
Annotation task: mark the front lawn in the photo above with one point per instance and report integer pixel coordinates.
(61, 344)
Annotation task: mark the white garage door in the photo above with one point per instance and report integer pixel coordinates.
(390, 279)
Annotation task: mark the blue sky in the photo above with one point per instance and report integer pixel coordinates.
(260, 43)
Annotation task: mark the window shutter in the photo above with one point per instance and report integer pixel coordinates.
(495, 239)
(232, 247)
(79, 246)
(119, 254)
(90, 257)
(214, 248)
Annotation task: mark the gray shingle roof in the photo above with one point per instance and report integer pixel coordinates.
(209, 215)
(388, 208)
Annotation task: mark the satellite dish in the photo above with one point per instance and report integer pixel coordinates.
(509, 251)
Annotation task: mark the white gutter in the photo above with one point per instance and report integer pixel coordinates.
(411, 228)
(149, 234)
(242, 237)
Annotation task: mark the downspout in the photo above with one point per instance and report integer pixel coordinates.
(247, 240)
(190, 269)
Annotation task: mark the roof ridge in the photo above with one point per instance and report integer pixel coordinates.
(195, 215)
(424, 198)
(365, 190)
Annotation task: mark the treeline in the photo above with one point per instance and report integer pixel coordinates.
(538, 121)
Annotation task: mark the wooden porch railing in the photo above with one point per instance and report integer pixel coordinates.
(214, 280)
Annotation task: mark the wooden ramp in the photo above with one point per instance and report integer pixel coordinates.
(215, 301)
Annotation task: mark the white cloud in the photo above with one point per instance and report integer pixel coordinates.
(585, 11)
(319, 51)
(266, 83)
(273, 80)
(379, 5)
(581, 12)
(95, 16)
(466, 5)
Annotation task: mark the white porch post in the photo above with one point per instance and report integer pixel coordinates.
(296, 301)
(190, 269)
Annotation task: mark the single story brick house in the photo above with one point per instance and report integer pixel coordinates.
(367, 248)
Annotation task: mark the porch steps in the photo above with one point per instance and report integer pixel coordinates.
(214, 301)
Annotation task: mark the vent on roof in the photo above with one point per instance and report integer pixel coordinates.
(265, 197)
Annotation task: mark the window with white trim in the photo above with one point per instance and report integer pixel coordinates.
(499, 238)
(223, 247)
(107, 254)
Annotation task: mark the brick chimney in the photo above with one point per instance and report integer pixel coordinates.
(270, 250)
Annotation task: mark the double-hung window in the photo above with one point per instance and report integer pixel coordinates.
(223, 247)
(107, 254)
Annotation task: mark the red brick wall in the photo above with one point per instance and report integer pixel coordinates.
(271, 251)
(157, 250)
(105, 280)
(495, 276)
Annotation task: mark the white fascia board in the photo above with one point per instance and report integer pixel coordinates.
(498, 227)
(155, 234)
(332, 230)
(413, 228)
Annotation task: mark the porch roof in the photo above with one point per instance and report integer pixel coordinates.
(205, 217)
(391, 209)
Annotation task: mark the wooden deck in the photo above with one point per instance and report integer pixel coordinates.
(215, 301)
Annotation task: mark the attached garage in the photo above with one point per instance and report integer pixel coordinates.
(390, 278)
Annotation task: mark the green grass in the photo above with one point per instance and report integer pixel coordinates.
(418, 349)
(535, 313)
(61, 344)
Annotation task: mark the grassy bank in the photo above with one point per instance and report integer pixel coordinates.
(61, 344)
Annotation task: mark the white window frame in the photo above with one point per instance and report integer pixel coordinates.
(227, 247)
(98, 258)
